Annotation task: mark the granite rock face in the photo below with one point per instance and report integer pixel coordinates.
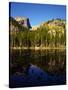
(17, 24)
(23, 21)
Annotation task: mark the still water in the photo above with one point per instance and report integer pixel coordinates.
(37, 68)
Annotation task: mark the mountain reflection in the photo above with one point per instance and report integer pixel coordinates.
(48, 64)
(48, 60)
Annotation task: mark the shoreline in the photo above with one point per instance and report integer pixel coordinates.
(37, 48)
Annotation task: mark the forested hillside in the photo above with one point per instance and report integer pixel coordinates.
(49, 34)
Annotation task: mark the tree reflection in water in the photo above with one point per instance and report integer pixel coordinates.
(52, 62)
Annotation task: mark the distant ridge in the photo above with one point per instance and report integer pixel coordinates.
(22, 23)
(51, 23)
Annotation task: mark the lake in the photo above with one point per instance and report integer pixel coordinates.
(37, 67)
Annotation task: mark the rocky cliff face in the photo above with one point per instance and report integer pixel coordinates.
(18, 24)
(23, 21)
(55, 22)
(51, 24)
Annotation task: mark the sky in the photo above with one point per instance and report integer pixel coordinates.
(37, 13)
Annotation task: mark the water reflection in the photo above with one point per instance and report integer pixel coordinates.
(41, 67)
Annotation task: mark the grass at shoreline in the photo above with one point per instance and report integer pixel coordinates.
(37, 48)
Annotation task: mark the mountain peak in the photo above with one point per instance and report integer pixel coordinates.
(20, 18)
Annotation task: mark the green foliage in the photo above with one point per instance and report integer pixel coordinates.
(46, 36)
